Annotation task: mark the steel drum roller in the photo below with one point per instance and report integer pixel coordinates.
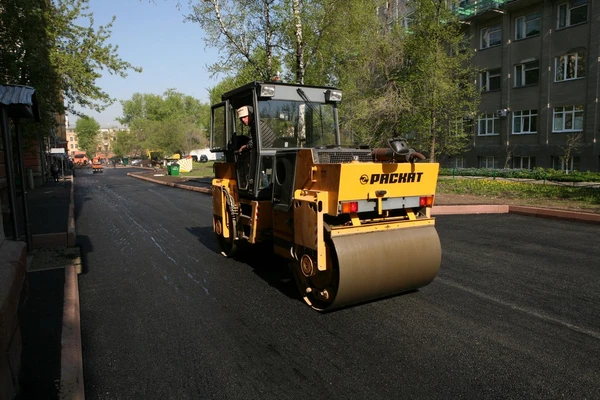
(378, 264)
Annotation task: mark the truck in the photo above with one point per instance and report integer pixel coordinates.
(97, 166)
(353, 224)
(80, 158)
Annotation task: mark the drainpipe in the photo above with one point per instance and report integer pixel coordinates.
(12, 202)
(19, 155)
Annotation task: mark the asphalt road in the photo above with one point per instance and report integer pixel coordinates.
(513, 314)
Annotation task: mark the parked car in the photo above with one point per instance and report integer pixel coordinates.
(203, 158)
(136, 162)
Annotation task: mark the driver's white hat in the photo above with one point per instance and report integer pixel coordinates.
(244, 111)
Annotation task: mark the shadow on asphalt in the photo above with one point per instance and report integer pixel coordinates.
(260, 257)
(86, 247)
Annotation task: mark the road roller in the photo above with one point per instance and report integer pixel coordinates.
(352, 223)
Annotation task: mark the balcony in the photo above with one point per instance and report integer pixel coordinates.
(468, 9)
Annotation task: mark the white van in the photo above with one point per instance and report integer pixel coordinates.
(209, 155)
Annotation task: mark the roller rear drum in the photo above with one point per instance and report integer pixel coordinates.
(372, 265)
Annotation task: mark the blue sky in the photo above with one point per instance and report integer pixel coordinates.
(153, 36)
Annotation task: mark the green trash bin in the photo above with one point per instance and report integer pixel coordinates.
(173, 169)
(125, 161)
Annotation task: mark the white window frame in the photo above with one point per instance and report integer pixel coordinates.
(486, 161)
(408, 21)
(521, 71)
(566, 10)
(529, 162)
(488, 34)
(486, 77)
(526, 23)
(569, 66)
(568, 119)
(524, 122)
(491, 122)
(459, 162)
(558, 162)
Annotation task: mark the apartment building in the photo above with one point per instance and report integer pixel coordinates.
(106, 137)
(72, 142)
(540, 82)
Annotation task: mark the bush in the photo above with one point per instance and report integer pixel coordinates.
(548, 174)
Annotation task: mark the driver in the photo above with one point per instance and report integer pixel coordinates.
(246, 117)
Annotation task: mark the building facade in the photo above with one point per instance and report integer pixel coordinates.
(539, 82)
(106, 139)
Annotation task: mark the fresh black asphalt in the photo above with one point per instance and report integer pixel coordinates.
(513, 314)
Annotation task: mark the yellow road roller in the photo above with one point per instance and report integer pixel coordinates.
(353, 223)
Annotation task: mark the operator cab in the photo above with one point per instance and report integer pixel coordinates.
(286, 117)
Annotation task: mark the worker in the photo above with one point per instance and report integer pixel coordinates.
(246, 117)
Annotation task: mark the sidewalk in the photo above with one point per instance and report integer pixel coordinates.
(46, 331)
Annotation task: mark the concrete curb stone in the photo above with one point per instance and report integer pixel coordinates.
(436, 210)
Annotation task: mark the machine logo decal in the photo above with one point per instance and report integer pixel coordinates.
(407, 177)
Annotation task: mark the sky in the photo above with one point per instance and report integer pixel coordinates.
(153, 36)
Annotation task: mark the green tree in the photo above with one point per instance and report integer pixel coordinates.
(306, 39)
(87, 130)
(246, 32)
(437, 81)
(373, 100)
(325, 39)
(168, 123)
(44, 46)
(123, 144)
(82, 53)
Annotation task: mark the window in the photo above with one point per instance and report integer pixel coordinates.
(491, 36)
(559, 162)
(490, 80)
(569, 66)
(489, 124)
(523, 162)
(572, 13)
(524, 121)
(459, 162)
(487, 162)
(568, 119)
(527, 26)
(459, 127)
(408, 21)
(527, 74)
(71, 138)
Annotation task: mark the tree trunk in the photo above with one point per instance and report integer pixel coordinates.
(296, 5)
(268, 38)
(433, 136)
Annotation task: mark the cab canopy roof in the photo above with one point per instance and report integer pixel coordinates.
(278, 91)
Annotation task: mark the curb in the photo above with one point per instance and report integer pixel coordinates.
(71, 357)
(71, 223)
(470, 209)
(71, 353)
(560, 214)
(446, 209)
(575, 216)
(172, 184)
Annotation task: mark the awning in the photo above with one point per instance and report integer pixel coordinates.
(21, 101)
